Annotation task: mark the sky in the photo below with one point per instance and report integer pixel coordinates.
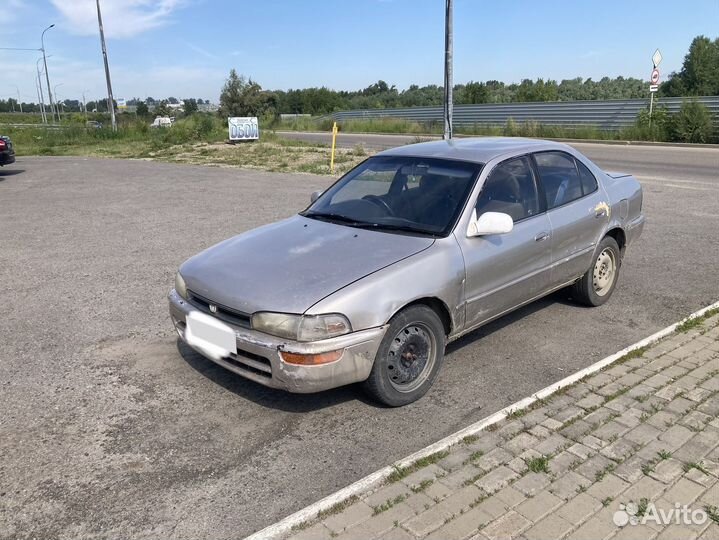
(185, 48)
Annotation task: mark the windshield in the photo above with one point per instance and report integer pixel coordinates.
(409, 194)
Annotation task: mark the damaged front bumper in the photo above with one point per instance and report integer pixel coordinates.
(258, 355)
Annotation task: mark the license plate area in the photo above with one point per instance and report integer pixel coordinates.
(213, 337)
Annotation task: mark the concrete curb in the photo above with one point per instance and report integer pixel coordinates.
(461, 136)
(375, 479)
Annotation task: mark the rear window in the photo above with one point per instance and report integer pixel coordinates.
(589, 182)
(559, 177)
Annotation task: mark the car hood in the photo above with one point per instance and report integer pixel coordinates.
(291, 265)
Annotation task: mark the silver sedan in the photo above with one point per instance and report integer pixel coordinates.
(411, 249)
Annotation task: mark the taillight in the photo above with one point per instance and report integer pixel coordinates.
(3, 145)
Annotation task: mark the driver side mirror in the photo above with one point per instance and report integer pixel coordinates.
(489, 223)
(315, 195)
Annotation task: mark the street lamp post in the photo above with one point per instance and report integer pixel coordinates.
(42, 96)
(110, 100)
(57, 100)
(19, 102)
(448, 105)
(47, 75)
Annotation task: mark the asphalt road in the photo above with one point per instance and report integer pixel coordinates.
(108, 429)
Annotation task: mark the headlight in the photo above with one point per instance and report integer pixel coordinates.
(301, 327)
(180, 286)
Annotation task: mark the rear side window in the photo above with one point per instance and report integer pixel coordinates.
(559, 177)
(589, 182)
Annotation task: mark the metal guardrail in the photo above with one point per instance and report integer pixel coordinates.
(608, 115)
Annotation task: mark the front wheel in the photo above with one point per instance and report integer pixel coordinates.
(598, 283)
(409, 357)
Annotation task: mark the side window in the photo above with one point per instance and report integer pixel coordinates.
(589, 182)
(511, 189)
(559, 177)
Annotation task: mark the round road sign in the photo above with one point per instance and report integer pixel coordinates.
(655, 76)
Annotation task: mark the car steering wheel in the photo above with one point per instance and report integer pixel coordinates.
(379, 202)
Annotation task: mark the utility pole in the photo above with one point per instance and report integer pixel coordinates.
(19, 102)
(47, 75)
(110, 100)
(448, 105)
(42, 109)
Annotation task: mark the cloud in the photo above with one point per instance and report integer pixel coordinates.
(121, 18)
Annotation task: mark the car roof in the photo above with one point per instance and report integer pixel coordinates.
(475, 149)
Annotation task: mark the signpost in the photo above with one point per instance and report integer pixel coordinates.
(654, 87)
(243, 128)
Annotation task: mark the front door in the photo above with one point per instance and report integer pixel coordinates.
(505, 270)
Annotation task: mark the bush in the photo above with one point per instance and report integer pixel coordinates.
(693, 123)
(658, 129)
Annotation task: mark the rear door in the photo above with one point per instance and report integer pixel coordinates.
(505, 270)
(577, 210)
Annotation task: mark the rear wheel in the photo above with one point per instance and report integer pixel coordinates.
(408, 358)
(598, 283)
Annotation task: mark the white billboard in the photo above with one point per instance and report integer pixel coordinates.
(243, 128)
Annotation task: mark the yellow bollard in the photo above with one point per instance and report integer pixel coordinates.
(334, 138)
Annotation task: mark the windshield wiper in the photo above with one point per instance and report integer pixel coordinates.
(392, 227)
(335, 217)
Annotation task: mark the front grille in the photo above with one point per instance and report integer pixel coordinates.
(254, 363)
(224, 313)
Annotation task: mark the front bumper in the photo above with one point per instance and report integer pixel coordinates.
(258, 355)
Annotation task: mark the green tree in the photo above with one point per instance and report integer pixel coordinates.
(699, 75)
(190, 106)
(162, 109)
(474, 92)
(693, 123)
(244, 97)
(141, 109)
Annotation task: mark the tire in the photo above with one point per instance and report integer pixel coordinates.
(596, 286)
(409, 357)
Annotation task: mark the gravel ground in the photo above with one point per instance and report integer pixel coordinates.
(109, 429)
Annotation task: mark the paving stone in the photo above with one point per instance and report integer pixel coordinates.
(518, 465)
(667, 470)
(617, 370)
(643, 434)
(644, 487)
(652, 404)
(610, 430)
(419, 502)
(539, 506)
(438, 490)
(591, 401)
(532, 483)
(697, 394)
(434, 517)
(710, 406)
(579, 509)
(456, 458)
(563, 462)
(680, 405)
(636, 532)
(551, 526)
(568, 414)
(496, 479)
(540, 431)
(352, 515)
(378, 524)
(532, 418)
(430, 472)
(619, 450)
(494, 506)
(630, 379)
(601, 415)
(675, 436)
(674, 372)
(581, 451)
(594, 529)
(599, 380)
(510, 429)
(698, 446)
(705, 480)
(510, 496)
(595, 465)
(462, 526)
(593, 442)
(662, 419)
(520, 443)
(552, 424)
(610, 389)
(631, 469)
(552, 445)
(569, 485)
(575, 430)
(388, 492)
(508, 526)
(397, 534)
(316, 532)
(640, 391)
(492, 459)
(712, 384)
(631, 417)
(578, 391)
(696, 420)
(620, 404)
(668, 392)
(684, 492)
(609, 486)
(458, 478)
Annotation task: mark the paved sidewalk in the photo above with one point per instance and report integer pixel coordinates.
(608, 457)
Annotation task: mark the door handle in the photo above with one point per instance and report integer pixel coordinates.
(541, 236)
(600, 213)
